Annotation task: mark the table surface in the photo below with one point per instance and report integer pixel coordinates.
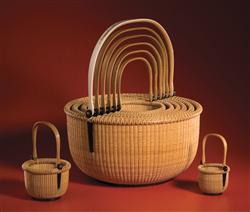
(84, 193)
(45, 51)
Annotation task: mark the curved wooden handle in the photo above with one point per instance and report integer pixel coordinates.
(221, 138)
(123, 44)
(122, 67)
(137, 42)
(106, 48)
(128, 57)
(56, 134)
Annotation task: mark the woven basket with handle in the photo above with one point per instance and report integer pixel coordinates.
(213, 177)
(46, 178)
(132, 138)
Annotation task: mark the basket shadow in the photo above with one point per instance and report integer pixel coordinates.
(13, 188)
(188, 185)
(78, 177)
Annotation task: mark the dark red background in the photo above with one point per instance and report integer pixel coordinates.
(45, 47)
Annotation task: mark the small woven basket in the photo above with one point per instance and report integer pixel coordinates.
(46, 178)
(213, 177)
(132, 138)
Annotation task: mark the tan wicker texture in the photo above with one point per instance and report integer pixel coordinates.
(46, 178)
(133, 138)
(213, 177)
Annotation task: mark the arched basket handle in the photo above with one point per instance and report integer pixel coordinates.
(56, 135)
(221, 138)
(165, 75)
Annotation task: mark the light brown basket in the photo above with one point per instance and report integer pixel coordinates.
(213, 178)
(132, 138)
(46, 178)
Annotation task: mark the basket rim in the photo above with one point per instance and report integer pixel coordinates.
(135, 118)
(27, 166)
(204, 168)
(158, 105)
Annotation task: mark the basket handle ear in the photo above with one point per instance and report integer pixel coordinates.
(221, 138)
(56, 134)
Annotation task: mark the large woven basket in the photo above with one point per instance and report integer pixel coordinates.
(213, 177)
(46, 178)
(132, 138)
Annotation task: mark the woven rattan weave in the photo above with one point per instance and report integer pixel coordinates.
(213, 177)
(133, 138)
(46, 178)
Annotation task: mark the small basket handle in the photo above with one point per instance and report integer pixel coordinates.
(221, 138)
(57, 138)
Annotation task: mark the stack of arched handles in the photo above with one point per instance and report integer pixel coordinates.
(120, 44)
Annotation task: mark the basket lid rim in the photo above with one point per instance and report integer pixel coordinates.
(27, 166)
(205, 168)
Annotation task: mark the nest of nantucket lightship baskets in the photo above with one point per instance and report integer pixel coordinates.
(132, 138)
(213, 177)
(46, 178)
